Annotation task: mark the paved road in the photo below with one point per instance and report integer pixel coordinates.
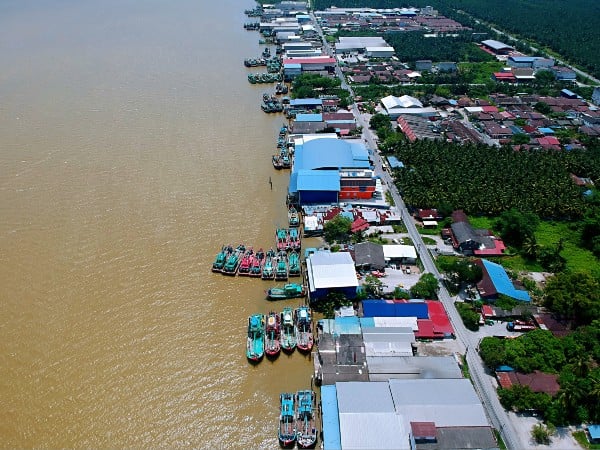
(482, 382)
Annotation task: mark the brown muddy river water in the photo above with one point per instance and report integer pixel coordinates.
(131, 148)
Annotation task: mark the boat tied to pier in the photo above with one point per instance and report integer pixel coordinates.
(255, 344)
(288, 330)
(293, 217)
(220, 259)
(294, 268)
(287, 420)
(273, 334)
(268, 271)
(233, 260)
(306, 430)
(281, 270)
(304, 334)
(257, 263)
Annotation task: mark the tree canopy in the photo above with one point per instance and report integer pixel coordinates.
(337, 229)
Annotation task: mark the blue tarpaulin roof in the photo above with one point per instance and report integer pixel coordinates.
(546, 130)
(502, 283)
(332, 439)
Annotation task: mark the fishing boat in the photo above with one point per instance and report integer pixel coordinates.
(289, 290)
(281, 270)
(281, 237)
(304, 334)
(294, 239)
(246, 262)
(293, 217)
(255, 345)
(268, 271)
(277, 164)
(287, 422)
(257, 263)
(266, 52)
(306, 430)
(288, 330)
(294, 269)
(233, 260)
(273, 334)
(220, 259)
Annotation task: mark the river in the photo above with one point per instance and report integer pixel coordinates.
(131, 148)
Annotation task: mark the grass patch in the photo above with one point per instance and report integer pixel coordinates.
(481, 71)
(548, 234)
(464, 368)
(501, 444)
(581, 437)
(428, 241)
(430, 231)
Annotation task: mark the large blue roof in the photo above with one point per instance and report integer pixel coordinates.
(502, 283)
(331, 423)
(328, 153)
(317, 180)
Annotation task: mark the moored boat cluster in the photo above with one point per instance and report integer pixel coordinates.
(287, 330)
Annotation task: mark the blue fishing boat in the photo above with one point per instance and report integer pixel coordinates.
(255, 344)
(294, 268)
(290, 290)
(220, 259)
(268, 271)
(293, 217)
(281, 270)
(233, 260)
(306, 430)
(294, 242)
(287, 423)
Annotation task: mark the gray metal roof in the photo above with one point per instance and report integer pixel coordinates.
(447, 402)
(373, 431)
(369, 253)
(359, 397)
(464, 232)
(412, 367)
(459, 438)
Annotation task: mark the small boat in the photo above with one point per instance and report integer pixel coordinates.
(246, 262)
(281, 237)
(273, 334)
(289, 290)
(268, 270)
(287, 422)
(281, 270)
(294, 239)
(294, 268)
(288, 330)
(220, 259)
(233, 260)
(257, 263)
(293, 217)
(266, 52)
(304, 334)
(255, 345)
(277, 164)
(306, 430)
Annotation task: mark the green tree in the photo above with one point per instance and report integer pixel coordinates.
(337, 229)
(492, 351)
(372, 285)
(516, 226)
(574, 296)
(542, 434)
(469, 316)
(380, 120)
(426, 287)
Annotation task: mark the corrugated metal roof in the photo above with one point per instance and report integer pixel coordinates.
(358, 397)
(447, 402)
(502, 283)
(399, 251)
(414, 367)
(331, 421)
(377, 347)
(306, 102)
(410, 322)
(317, 180)
(329, 270)
(373, 431)
(330, 153)
(309, 118)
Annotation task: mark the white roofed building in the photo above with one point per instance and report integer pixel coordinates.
(395, 106)
(331, 272)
